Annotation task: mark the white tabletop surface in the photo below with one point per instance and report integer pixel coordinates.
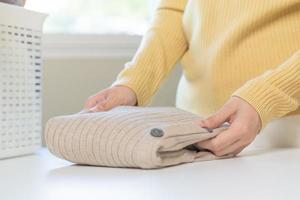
(256, 174)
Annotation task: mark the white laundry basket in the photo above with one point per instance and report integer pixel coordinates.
(20, 80)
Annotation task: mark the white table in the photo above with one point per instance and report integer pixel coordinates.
(256, 174)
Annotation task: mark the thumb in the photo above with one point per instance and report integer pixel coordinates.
(218, 118)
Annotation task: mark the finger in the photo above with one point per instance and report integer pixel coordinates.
(205, 144)
(218, 118)
(98, 107)
(110, 103)
(239, 151)
(94, 100)
(221, 141)
(106, 105)
(232, 149)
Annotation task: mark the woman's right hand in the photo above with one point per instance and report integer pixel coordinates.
(109, 98)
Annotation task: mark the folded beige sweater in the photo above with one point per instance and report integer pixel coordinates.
(125, 136)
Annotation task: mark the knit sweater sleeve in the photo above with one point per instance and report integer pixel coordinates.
(162, 46)
(276, 92)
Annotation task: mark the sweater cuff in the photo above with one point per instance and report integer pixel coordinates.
(274, 93)
(269, 101)
(135, 85)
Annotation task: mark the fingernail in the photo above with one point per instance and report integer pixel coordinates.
(209, 129)
(201, 123)
(93, 109)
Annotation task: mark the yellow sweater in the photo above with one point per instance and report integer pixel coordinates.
(248, 48)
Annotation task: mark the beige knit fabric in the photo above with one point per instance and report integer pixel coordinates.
(123, 137)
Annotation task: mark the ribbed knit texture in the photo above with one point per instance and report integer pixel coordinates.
(248, 48)
(122, 137)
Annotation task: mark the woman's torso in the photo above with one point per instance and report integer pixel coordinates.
(231, 42)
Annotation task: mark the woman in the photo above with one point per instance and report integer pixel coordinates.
(241, 64)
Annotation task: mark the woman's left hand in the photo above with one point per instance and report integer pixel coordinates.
(244, 122)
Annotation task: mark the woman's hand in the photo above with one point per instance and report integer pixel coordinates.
(244, 123)
(111, 97)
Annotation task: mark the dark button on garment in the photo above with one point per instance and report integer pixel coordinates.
(156, 132)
